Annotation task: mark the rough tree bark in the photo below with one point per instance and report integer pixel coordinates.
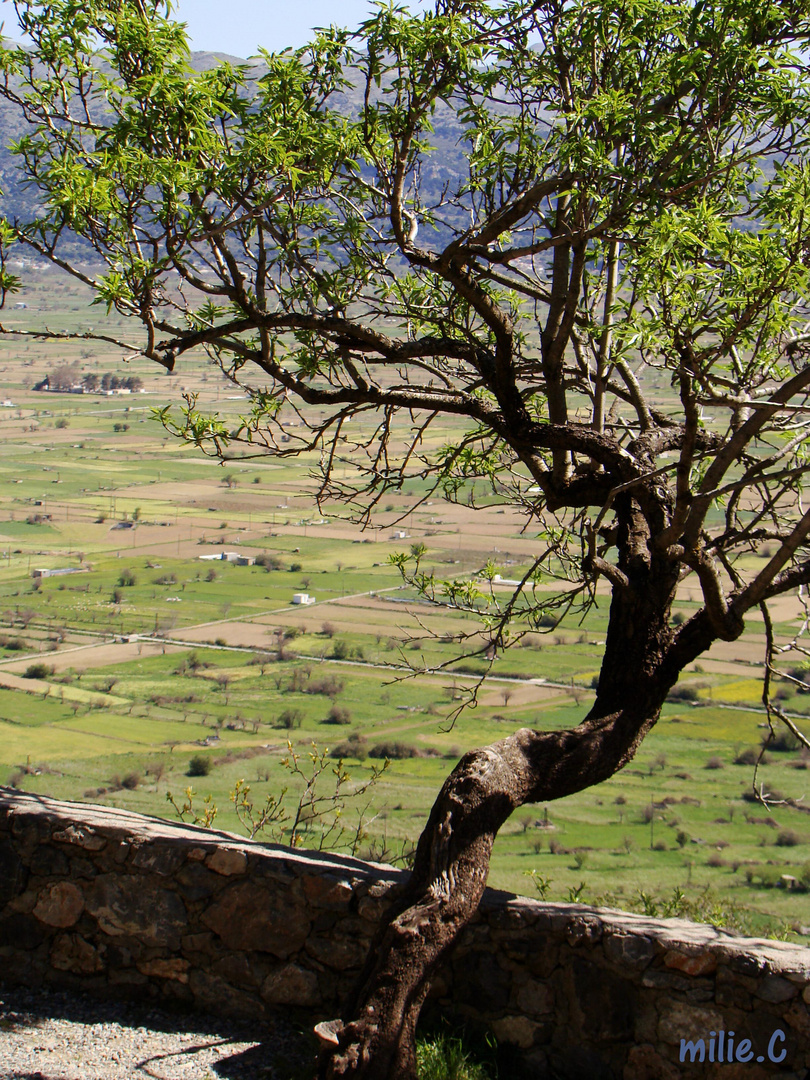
(643, 658)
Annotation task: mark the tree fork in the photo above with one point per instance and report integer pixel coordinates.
(450, 874)
(642, 661)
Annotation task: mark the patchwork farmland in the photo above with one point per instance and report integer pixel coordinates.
(148, 630)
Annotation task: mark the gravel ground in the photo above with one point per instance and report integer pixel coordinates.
(54, 1035)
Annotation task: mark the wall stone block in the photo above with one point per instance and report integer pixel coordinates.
(157, 859)
(645, 1063)
(776, 989)
(682, 1021)
(166, 968)
(71, 952)
(629, 950)
(698, 964)
(82, 836)
(60, 904)
(248, 916)
(342, 954)
(292, 985)
(227, 861)
(47, 861)
(149, 912)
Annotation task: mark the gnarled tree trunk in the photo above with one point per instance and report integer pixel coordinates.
(642, 661)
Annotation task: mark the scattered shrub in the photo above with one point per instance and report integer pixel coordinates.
(750, 756)
(14, 644)
(38, 671)
(289, 719)
(683, 693)
(396, 751)
(260, 659)
(126, 578)
(354, 747)
(783, 742)
(199, 766)
(338, 715)
(802, 675)
(714, 763)
(270, 562)
(328, 685)
(788, 838)
(131, 781)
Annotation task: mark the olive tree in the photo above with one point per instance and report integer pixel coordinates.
(524, 214)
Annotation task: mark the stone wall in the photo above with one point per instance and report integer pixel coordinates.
(114, 903)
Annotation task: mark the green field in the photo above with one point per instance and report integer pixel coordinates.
(222, 666)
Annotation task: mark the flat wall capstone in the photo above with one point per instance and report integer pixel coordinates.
(118, 904)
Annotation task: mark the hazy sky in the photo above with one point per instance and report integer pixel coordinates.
(273, 24)
(239, 27)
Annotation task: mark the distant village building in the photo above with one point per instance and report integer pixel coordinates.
(303, 598)
(399, 534)
(231, 557)
(44, 571)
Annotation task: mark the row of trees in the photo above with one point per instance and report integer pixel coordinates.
(579, 228)
(65, 377)
(109, 381)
